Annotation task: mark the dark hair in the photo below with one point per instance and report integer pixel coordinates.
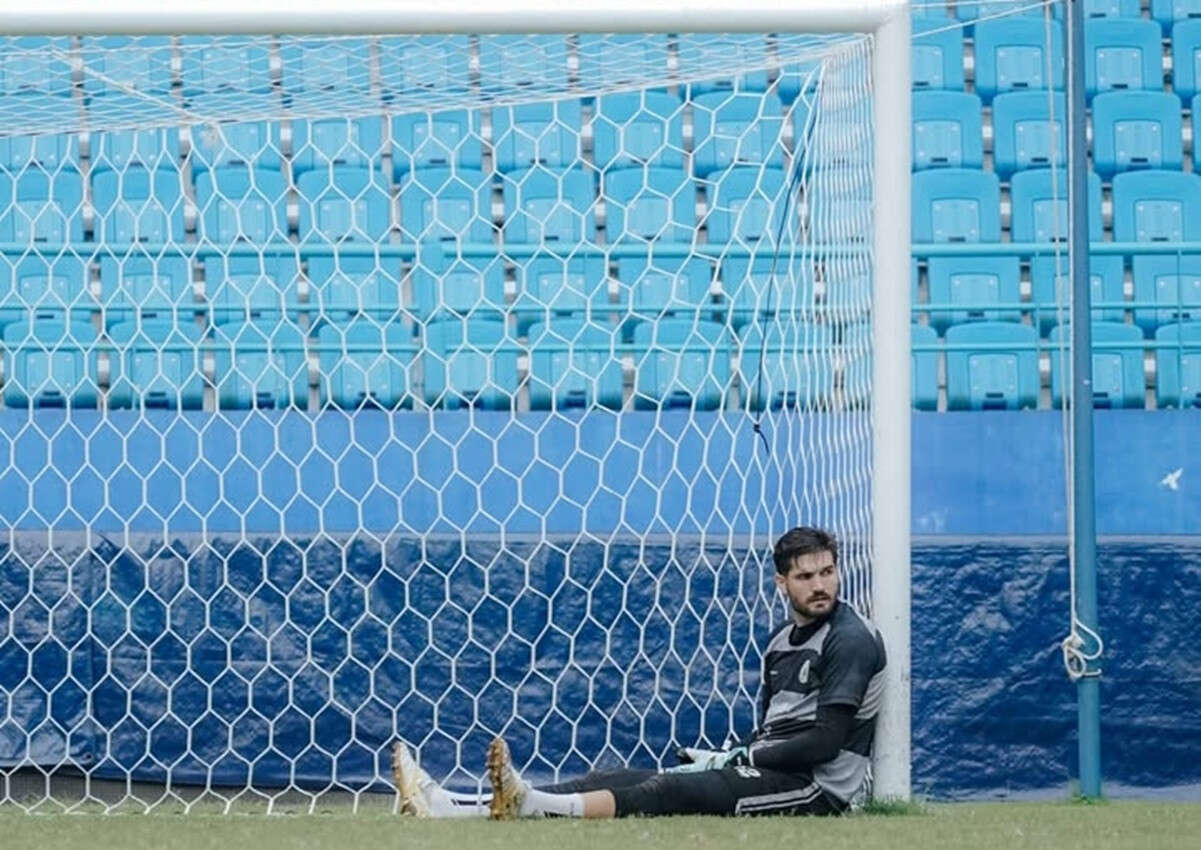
(802, 541)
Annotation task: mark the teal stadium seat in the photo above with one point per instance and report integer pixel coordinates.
(936, 56)
(1133, 130)
(681, 363)
(612, 60)
(544, 205)
(49, 152)
(415, 64)
(574, 364)
(1186, 58)
(1029, 131)
(1171, 13)
(325, 143)
(445, 286)
(947, 130)
(758, 286)
(1118, 380)
(238, 203)
(1156, 206)
(1172, 283)
(236, 65)
(649, 204)
(746, 205)
(531, 134)
(36, 65)
(956, 205)
(974, 284)
(441, 204)
(260, 364)
(1122, 55)
(1113, 8)
(156, 363)
(237, 143)
(41, 208)
(366, 363)
(730, 50)
(49, 362)
(1011, 55)
(1039, 203)
(139, 205)
(794, 370)
(126, 65)
(469, 363)
(343, 205)
(638, 128)
(551, 289)
(662, 286)
(520, 63)
(736, 129)
(326, 71)
(242, 288)
(349, 286)
(924, 360)
(1106, 284)
(44, 286)
(1178, 365)
(436, 140)
(971, 10)
(139, 284)
(992, 377)
(117, 150)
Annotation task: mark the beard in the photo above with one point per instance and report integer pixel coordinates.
(814, 606)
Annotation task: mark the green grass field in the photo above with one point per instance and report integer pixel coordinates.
(1013, 826)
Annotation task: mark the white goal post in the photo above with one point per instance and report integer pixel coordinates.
(888, 24)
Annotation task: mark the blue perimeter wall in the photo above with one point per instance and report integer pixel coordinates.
(993, 711)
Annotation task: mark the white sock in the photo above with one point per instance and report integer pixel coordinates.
(447, 804)
(541, 803)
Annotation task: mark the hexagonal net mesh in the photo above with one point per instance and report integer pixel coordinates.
(417, 387)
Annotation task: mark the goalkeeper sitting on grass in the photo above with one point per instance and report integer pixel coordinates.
(822, 679)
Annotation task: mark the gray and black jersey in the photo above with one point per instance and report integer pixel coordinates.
(836, 661)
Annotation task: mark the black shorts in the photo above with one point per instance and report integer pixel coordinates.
(728, 791)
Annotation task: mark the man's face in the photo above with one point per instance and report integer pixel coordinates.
(811, 585)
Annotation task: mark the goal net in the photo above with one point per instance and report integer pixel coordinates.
(419, 387)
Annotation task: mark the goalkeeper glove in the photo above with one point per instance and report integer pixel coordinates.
(695, 760)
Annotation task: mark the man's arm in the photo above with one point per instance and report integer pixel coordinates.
(819, 743)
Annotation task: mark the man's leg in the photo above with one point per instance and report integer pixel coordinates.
(419, 795)
(601, 780)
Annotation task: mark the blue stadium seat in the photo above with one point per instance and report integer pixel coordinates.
(846, 215)
(1170, 13)
(39, 112)
(544, 205)
(752, 290)
(1186, 58)
(651, 289)
(971, 10)
(551, 287)
(731, 50)
(156, 363)
(924, 392)
(1105, 283)
(681, 363)
(38, 207)
(316, 70)
(1172, 281)
(649, 203)
(436, 140)
(159, 286)
(241, 204)
(253, 143)
(988, 378)
(50, 152)
(545, 133)
(44, 286)
(36, 64)
(244, 288)
(947, 130)
(469, 362)
(796, 78)
(1122, 54)
(1156, 206)
(803, 123)
(1011, 56)
(616, 59)
(127, 65)
(746, 205)
(574, 364)
(439, 204)
(638, 128)
(956, 205)
(975, 284)
(233, 64)
(1039, 203)
(49, 362)
(797, 365)
(119, 149)
(1178, 365)
(348, 205)
(936, 55)
(1118, 380)
(929, 9)
(1133, 130)
(413, 64)
(365, 362)
(260, 365)
(447, 287)
(347, 286)
(512, 63)
(325, 142)
(139, 205)
(1028, 131)
(1113, 8)
(736, 129)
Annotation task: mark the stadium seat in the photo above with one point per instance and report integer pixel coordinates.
(469, 362)
(47, 151)
(736, 129)
(751, 290)
(730, 50)
(44, 286)
(260, 365)
(550, 288)
(1133, 130)
(366, 362)
(974, 284)
(1105, 283)
(49, 362)
(1156, 206)
(39, 113)
(1113, 8)
(990, 379)
(139, 205)
(971, 10)
(1118, 380)
(38, 207)
(614, 60)
(516, 63)
(119, 149)
(156, 363)
(1170, 13)
(546, 133)
(436, 140)
(1028, 131)
(956, 205)
(127, 65)
(681, 363)
(797, 365)
(930, 9)
(925, 367)
(1186, 58)
(440, 204)
(253, 143)
(241, 204)
(413, 64)
(746, 205)
(445, 286)
(1171, 281)
(1122, 54)
(574, 364)
(638, 128)
(648, 290)
(330, 71)
(1039, 204)
(252, 288)
(649, 204)
(947, 130)
(846, 215)
(1011, 56)
(348, 286)
(344, 204)
(548, 205)
(796, 78)
(936, 57)
(36, 64)
(801, 115)
(159, 287)
(233, 64)
(335, 142)
(1178, 365)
